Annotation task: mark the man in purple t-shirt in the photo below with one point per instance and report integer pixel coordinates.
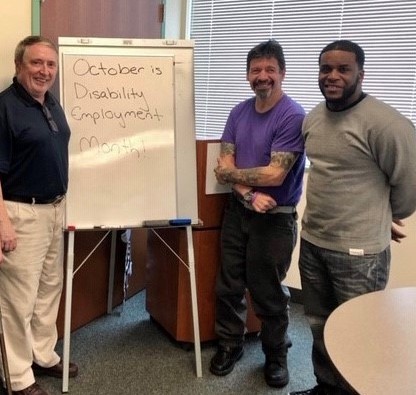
(262, 157)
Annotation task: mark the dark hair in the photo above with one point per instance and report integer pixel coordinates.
(267, 49)
(29, 41)
(348, 46)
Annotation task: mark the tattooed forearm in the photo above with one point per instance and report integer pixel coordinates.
(227, 149)
(285, 160)
(260, 176)
(272, 174)
(248, 176)
(241, 176)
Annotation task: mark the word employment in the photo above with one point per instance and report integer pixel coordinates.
(102, 114)
(141, 110)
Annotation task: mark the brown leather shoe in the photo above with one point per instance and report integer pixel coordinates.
(34, 389)
(55, 371)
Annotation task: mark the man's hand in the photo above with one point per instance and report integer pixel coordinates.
(396, 234)
(7, 236)
(263, 202)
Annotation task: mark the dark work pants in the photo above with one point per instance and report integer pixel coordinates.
(256, 251)
(330, 278)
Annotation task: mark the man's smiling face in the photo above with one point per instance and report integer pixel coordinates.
(340, 78)
(38, 69)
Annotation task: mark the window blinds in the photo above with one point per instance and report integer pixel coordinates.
(225, 30)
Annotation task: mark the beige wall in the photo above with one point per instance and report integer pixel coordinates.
(15, 24)
(176, 14)
(175, 19)
(293, 277)
(403, 262)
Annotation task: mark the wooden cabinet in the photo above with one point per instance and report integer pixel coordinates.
(168, 295)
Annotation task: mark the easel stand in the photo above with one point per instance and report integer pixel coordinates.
(68, 296)
(192, 278)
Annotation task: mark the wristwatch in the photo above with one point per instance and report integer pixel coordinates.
(248, 196)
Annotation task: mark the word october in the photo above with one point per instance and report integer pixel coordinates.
(82, 67)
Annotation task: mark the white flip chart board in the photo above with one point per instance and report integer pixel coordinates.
(130, 107)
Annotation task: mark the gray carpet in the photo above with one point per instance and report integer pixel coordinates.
(127, 353)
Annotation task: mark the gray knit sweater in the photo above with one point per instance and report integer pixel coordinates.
(362, 174)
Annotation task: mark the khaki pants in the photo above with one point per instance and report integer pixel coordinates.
(31, 280)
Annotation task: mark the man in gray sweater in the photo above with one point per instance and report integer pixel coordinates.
(361, 184)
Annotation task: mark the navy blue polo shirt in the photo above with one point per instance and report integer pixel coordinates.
(33, 151)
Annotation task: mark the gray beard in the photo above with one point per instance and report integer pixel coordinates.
(262, 95)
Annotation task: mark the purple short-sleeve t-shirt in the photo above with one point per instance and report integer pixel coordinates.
(255, 135)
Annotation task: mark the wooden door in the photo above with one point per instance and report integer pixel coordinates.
(101, 18)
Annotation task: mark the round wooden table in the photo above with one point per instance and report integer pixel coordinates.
(371, 340)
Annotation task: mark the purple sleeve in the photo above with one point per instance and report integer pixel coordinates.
(289, 138)
(228, 135)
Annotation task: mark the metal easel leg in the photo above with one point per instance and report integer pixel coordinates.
(195, 318)
(4, 360)
(68, 306)
(70, 273)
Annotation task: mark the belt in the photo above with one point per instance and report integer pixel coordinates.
(32, 200)
(282, 209)
(274, 210)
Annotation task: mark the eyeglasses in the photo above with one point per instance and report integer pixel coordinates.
(51, 121)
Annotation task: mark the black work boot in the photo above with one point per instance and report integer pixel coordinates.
(224, 360)
(275, 371)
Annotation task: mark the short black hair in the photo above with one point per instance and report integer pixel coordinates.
(348, 46)
(267, 49)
